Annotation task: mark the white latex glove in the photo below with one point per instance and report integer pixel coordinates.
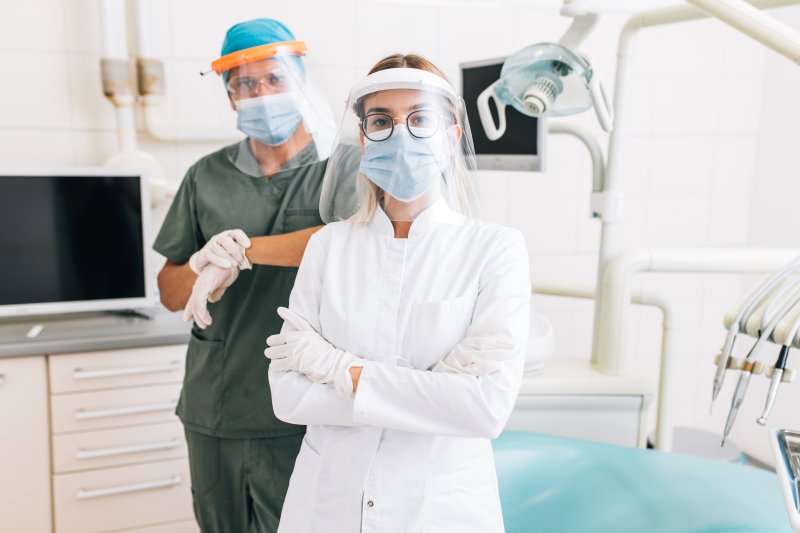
(481, 353)
(209, 286)
(301, 349)
(225, 250)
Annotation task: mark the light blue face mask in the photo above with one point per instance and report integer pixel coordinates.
(404, 166)
(270, 119)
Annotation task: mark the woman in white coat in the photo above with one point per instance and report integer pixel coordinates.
(403, 345)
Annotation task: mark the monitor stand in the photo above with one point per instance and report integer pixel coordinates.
(146, 314)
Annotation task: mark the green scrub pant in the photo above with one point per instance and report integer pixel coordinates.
(238, 485)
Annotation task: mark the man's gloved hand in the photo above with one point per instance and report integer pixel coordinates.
(481, 353)
(225, 250)
(209, 286)
(301, 349)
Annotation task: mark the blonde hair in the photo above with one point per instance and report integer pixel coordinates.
(460, 176)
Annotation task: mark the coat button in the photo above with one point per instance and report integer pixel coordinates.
(370, 503)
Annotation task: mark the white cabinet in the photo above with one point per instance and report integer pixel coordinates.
(119, 456)
(24, 446)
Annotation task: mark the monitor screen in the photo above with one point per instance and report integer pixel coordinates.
(522, 145)
(71, 238)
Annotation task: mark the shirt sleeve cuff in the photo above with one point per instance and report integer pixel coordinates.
(364, 395)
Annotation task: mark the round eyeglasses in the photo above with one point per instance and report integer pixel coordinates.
(422, 124)
(247, 86)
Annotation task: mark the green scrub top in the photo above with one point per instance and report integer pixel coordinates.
(225, 389)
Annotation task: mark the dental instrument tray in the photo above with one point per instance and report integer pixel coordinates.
(786, 450)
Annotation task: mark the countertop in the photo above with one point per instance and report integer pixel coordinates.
(91, 331)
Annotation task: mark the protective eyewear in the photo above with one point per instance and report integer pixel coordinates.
(249, 85)
(422, 124)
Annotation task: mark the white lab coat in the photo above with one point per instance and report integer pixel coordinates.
(411, 452)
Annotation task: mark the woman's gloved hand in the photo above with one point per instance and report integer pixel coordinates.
(225, 250)
(209, 287)
(481, 353)
(301, 349)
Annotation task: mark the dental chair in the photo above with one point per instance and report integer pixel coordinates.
(553, 484)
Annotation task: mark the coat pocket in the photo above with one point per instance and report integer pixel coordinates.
(437, 327)
(299, 505)
(297, 218)
(201, 397)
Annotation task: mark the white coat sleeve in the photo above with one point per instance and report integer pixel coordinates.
(295, 398)
(455, 404)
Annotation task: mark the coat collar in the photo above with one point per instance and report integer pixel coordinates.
(437, 213)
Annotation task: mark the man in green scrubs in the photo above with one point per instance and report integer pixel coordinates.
(268, 185)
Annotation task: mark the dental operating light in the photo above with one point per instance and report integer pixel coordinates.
(548, 80)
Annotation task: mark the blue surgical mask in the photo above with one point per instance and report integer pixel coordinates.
(270, 119)
(404, 166)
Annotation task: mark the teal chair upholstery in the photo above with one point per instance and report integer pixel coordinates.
(553, 484)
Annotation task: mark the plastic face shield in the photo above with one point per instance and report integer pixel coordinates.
(405, 136)
(276, 103)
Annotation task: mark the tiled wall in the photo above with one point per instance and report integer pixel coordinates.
(697, 132)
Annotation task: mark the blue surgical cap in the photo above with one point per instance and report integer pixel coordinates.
(255, 33)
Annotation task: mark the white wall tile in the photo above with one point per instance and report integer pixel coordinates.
(569, 166)
(38, 95)
(19, 20)
(730, 216)
(682, 165)
(548, 224)
(740, 105)
(199, 101)
(384, 28)
(82, 29)
(550, 268)
(734, 164)
(692, 48)
(632, 225)
(334, 83)
(331, 33)
(677, 219)
(635, 163)
(158, 31)
(89, 108)
(93, 148)
(640, 105)
(31, 148)
(686, 105)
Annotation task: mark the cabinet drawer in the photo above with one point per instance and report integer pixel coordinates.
(86, 411)
(116, 447)
(125, 497)
(116, 368)
(187, 526)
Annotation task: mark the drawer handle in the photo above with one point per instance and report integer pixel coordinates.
(2, 379)
(82, 453)
(82, 414)
(79, 373)
(84, 494)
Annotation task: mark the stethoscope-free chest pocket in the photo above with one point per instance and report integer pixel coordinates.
(437, 327)
(297, 218)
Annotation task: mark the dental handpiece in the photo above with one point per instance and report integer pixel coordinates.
(736, 401)
(777, 375)
(733, 330)
(747, 370)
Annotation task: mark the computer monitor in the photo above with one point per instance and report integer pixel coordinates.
(522, 146)
(73, 241)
